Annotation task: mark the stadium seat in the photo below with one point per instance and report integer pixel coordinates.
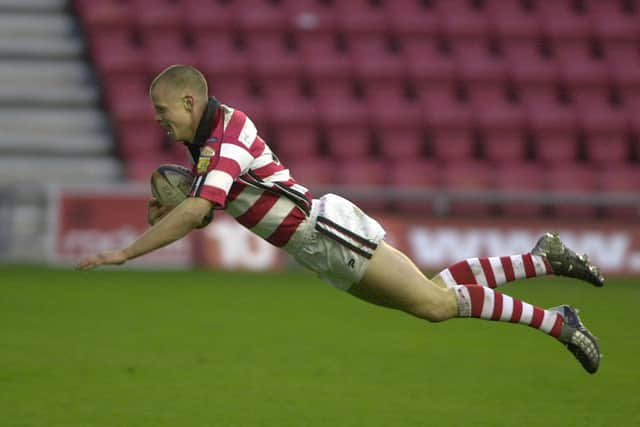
(462, 18)
(426, 63)
(271, 55)
(313, 173)
(127, 99)
(338, 105)
(526, 64)
(360, 17)
(360, 174)
(296, 142)
(468, 177)
(321, 57)
(514, 19)
(309, 17)
(443, 108)
(286, 103)
(612, 151)
(258, 16)
(139, 140)
(207, 17)
(518, 179)
(166, 48)
(412, 18)
(373, 58)
(453, 144)
(116, 53)
(623, 58)
(236, 92)
(476, 62)
(98, 15)
(565, 20)
(623, 179)
(493, 111)
(390, 105)
(414, 175)
(578, 66)
(575, 179)
(349, 141)
(504, 146)
(400, 142)
(611, 22)
(158, 15)
(219, 56)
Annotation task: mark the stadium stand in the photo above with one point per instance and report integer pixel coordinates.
(499, 94)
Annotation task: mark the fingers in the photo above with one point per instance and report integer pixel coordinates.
(87, 264)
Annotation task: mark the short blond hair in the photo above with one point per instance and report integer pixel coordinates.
(183, 77)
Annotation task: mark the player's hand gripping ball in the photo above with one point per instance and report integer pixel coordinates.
(170, 185)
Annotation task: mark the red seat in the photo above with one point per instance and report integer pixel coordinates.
(349, 141)
(338, 105)
(511, 19)
(443, 109)
(313, 172)
(127, 99)
(623, 58)
(578, 67)
(609, 151)
(414, 175)
(620, 180)
(493, 111)
(287, 105)
(519, 179)
(362, 173)
(566, 180)
(459, 18)
(167, 48)
(236, 92)
(612, 22)
(218, 56)
(475, 61)
(115, 52)
(526, 64)
(631, 107)
(426, 63)
(374, 60)
(597, 116)
(468, 177)
(257, 16)
(321, 57)
(158, 15)
(271, 56)
(205, 17)
(412, 18)
(296, 142)
(139, 140)
(451, 145)
(360, 16)
(309, 17)
(390, 105)
(97, 15)
(561, 20)
(140, 170)
(505, 146)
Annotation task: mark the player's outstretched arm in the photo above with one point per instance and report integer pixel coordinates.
(176, 224)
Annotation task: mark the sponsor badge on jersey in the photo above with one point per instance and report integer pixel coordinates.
(205, 159)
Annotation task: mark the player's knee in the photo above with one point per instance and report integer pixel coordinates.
(432, 312)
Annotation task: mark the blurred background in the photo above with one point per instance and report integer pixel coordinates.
(466, 126)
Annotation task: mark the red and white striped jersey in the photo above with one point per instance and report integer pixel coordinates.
(236, 170)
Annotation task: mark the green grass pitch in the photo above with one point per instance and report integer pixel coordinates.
(125, 348)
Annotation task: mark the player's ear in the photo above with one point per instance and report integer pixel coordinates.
(187, 102)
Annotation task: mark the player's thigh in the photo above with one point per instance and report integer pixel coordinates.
(393, 280)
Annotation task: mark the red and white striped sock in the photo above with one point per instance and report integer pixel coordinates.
(495, 271)
(484, 303)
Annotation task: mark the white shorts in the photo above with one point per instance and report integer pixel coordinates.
(337, 241)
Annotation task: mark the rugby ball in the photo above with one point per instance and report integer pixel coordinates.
(170, 184)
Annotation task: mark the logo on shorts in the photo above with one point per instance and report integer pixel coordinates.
(352, 263)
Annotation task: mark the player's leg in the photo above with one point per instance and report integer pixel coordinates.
(549, 256)
(392, 280)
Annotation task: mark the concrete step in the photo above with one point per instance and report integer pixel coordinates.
(29, 143)
(35, 6)
(16, 170)
(41, 48)
(59, 72)
(59, 121)
(19, 25)
(40, 96)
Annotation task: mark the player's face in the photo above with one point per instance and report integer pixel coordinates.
(174, 112)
